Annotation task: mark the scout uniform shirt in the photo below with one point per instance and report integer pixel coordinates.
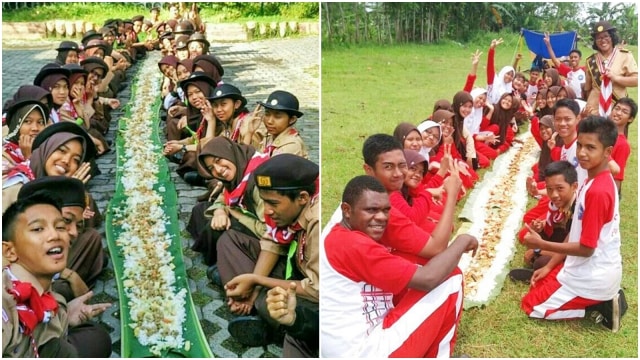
(623, 65)
(287, 142)
(307, 252)
(16, 344)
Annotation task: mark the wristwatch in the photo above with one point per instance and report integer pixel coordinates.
(184, 148)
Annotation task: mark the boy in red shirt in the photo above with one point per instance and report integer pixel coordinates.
(622, 114)
(585, 272)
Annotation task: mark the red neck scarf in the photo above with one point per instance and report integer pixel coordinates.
(234, 197)
(285, 235)
(269, 147)
(21, 164)
(605, 102)
(32, 307)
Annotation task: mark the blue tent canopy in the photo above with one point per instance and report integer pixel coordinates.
(562, 42)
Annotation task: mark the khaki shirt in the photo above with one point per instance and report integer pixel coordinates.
(14, 343)
(254, 222)
(287, 142)
(308, 254)
(624, 65)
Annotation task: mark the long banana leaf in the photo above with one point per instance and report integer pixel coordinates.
(195, 342)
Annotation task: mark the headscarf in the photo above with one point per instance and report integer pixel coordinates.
(238, 154)
(442, 104)
(168, 60)
(402, 131)
(459, 99)
(570, 93)
(424, 126)
(555, 76)
(545, 153)
(502, 117)
(17, 118)
(473, 121)
(41, 154)
(62, 56)
(29, 92)
(50, 81)
(188, 63)
(74, 77)
(546, 110)
(211, 66)
(499, 87)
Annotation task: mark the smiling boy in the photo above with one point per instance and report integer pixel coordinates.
(586, 269)
(362, 312)
(287, 252)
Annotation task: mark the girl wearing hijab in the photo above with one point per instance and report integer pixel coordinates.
(541, 104)
(65, 149)
(238, 208)
(414, 200)
(167, 67)
(552, 96)
(200, 116)
(67, 53)
(501, 83)
(473, 121)
(210, 65)
(54, 79)
(27, 118)
(500, 123)
(551, 77)
(462, 137)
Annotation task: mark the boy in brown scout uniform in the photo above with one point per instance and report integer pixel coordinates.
(287, 252)
(36, 321)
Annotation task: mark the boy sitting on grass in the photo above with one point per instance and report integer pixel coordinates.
(584, 272)
(561, 181)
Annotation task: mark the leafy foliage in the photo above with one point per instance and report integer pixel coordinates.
(388, 23)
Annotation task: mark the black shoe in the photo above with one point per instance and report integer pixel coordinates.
(194, 179)
(249, 330)
(214, 275)
(611, 311)
(521, 274)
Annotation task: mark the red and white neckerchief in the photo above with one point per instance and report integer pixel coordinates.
(234, 197)
(32, 307)
(605, 102)
(269, 147)
(284, 235)
(20, 166)
(236, 132)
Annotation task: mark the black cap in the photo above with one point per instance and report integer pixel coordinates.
(75, 69)
(185, 27)
(283, 101)
(227, 91)
(601, 26)
(99, 43)
(181, 41)
(69, 127)
(68, 45)
(50, 69)
(70, 190)
(197, 76)
(93, 62)
(199, 38)
(286, 172)
(90, 35)
(137, 18)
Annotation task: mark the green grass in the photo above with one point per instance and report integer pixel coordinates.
(101, 11)
(370, 89)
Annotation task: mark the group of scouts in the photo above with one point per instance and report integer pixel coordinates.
(390, 282)
(257, 225)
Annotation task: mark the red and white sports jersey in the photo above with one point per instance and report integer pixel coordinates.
(568, 153)
(595, 224)
(357, 290)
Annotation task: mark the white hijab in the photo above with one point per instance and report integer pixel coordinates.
(473, 121)
(499, 87)
(424, 126)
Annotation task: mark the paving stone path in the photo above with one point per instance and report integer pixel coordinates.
(257, 68)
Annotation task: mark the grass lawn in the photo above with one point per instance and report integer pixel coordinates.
(368, 90)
